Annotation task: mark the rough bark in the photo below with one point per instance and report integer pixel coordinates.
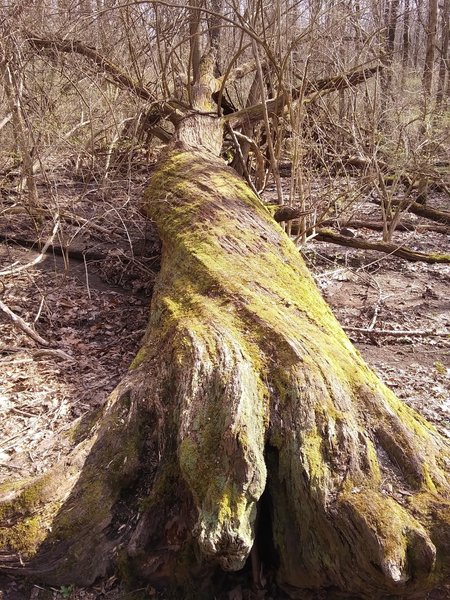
(246, 399)
(245, 385)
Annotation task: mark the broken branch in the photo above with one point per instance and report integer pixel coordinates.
(313, 90)
(39, 258)
(165, 109)
(23, 325)
(326, 235)
(398, 333)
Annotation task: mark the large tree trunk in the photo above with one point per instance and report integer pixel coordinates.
(246, 398)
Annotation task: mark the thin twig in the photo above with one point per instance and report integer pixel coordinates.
(377, 307)
(65, 216)
(273, 161)
(23, 325)
(5, 120)
(41, 305)
(87, 278)
(52, 352)
(39, 258)
(241, 158)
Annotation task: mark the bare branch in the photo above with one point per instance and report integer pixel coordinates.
(398, 333)
(75, 46)
(340, 82)
(23, 325)
(39, 258)
(159, 109)
(326, 235)
(5, 120)
(313, 90)
(240, 72)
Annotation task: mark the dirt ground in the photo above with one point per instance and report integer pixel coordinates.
(91, 306)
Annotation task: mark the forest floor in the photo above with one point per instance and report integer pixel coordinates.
(91, 306)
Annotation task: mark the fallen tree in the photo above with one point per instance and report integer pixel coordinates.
(440, 216)
(245, 384)
(247, 423)
(421, 210)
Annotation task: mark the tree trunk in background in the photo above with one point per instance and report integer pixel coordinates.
(406, 34)
(427, 77)
(444, 62)
(417, 32)
(390, 17)
(9, 71)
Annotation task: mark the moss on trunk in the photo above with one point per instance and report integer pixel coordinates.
(246, 383)
(270, 367)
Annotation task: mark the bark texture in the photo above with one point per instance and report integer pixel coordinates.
(245, 384)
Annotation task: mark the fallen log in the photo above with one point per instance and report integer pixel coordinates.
(378, 225)
(246, 398)
(422, 210)
(434, 214)
(326, 235)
